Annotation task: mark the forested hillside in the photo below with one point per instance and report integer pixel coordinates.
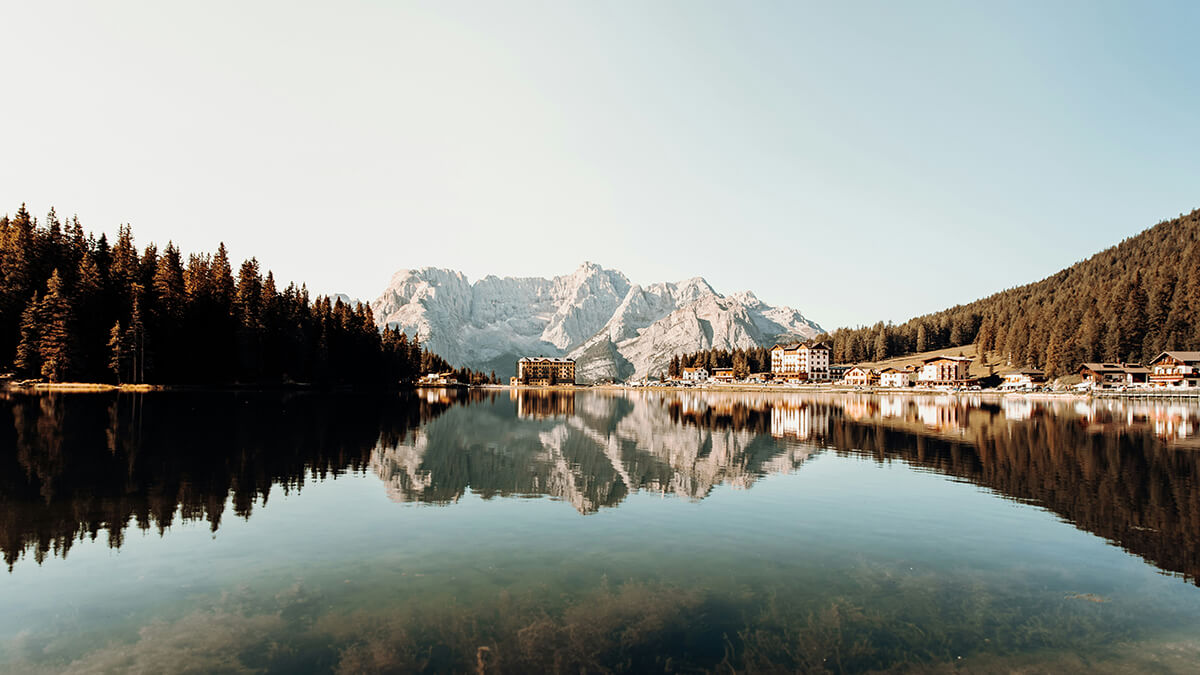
(1126, 303)
(75, 307)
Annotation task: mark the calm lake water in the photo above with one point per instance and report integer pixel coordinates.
(597, 532)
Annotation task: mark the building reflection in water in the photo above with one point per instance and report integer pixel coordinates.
(542, 403)
(76, 466)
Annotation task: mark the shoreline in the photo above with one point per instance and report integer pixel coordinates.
(96, 387)
(100, 387)
(834, 389)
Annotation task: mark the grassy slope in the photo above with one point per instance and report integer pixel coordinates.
(978, 368)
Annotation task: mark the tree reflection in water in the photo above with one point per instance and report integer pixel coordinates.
(76, 465)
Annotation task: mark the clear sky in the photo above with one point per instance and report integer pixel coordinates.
(857, 160)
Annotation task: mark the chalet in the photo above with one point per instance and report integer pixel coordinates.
(1102, 375)
(722, 374)
(1113, 375)
(861, 376)
(697, 374)
(1025, 378)
(895, 377)
(944, 370)
(1180, 370)
(1137, 375)
(838, 372)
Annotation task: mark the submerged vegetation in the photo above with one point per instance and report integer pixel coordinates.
(873, 619)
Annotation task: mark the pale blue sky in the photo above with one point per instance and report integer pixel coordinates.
(811, 152)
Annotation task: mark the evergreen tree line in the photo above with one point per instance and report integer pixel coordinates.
(950, 328)
(75, 307)
(1127, 303)
(743, 361)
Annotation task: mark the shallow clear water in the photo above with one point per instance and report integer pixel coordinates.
(597, 532)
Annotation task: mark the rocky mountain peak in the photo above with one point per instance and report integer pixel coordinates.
(611, 326)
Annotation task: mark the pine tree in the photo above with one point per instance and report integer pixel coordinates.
(1088, 338)
(168, 284)
(57, 348)
(1113, 339)
(124, 259)
(1133, 320)
(1059, 359)
(1157, 315)
(118, 350)
(881, 345)
(414, 358)
(222, 278)
(29, 350)
(740, 365)
(16, 277)
(135, 337)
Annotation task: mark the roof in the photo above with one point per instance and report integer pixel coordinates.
(816, 345)
(1091, 365)
(1115, 367)
(532, 359)
(694, 369)
(1179, 356)
(931, 359)
(1032, 372)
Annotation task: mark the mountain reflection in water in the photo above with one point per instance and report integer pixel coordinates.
(74, 465)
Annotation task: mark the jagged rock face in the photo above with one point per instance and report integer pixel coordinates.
(611, 327)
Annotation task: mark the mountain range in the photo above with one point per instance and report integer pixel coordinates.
(613, 328)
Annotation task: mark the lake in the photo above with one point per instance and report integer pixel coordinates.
(597, 531)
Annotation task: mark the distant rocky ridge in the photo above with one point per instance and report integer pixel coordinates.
(613, 328)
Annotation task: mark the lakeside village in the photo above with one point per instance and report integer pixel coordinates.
(800, 364)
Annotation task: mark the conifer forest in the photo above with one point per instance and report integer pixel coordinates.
(76, 307)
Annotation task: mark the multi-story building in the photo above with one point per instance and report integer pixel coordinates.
(895, 377)
(697, 374)
(785, 358)
(812, 360)
(944, 370)
(1175, 369)
(541, 371)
